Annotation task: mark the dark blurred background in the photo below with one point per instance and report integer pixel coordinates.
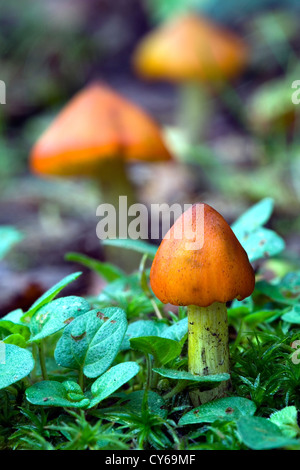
(51, 49)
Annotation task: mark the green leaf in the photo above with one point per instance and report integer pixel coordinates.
(15, 364)
(255, 318)
(15, 328)
(108, 271)
(163, 350)
(56, 315)
(287, 291)
(14, 316)
(111, 380)
(156, 404)
(142, 328)
(176, 331)
(293, 316)
(16, 339)
(50, 393)
(92, 341)
(253, 218)
(184, 375)
(228, 409)
(9, 236)
(261, 434)
(50, 294)
(262, 243)
(286, 420)
(135, 245)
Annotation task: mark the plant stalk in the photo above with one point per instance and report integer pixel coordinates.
(208, 351)
(114, 182)
(43, 360)
(194, 111)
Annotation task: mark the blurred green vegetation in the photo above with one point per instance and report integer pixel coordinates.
(250, 147)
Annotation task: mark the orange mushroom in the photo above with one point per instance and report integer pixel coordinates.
(95, 126)
(191, 50)
(201, 264)
(94, 136)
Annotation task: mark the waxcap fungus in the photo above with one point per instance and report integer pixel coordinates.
(190, 48)
(96, 124)
(220, 271)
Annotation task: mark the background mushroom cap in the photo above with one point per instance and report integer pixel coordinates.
(190, 48)
(218, 272)
(96, 124)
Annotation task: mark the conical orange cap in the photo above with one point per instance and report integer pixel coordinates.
(96, 124)
(200, 261)
(190, 48)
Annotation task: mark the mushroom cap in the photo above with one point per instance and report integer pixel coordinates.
(218, 271)
(96, 124)
(190, 48)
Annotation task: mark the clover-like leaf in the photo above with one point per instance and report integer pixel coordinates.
(261, 434)
(91, 342)
(51, 393)
(142, 328)
(176, 331)
(286, 420)
(228, 409)
(111, 380)
(262, 243)
(56, 315)
(253, 218)
(162, 349)
(293, 316)
(15, 364)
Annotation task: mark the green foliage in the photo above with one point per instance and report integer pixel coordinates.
(258, 241)
(261, 434)
(50, 294)
(111, 380)
(54, 316)
(91, 341)
(108, 271)
(139, 246)
(9, 236)
(224, 409)
(163, 350)
(111, 372)
(286, 420)
(51, 393)
(15, 364)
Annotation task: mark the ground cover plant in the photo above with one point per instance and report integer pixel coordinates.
(110, 372)
(136, 344)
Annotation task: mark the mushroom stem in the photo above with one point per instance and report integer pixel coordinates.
(208, 350)
(194, 111)
(114, 182)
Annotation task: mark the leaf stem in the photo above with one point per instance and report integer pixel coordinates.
(179, 387)
(43, 360)
(81, 379)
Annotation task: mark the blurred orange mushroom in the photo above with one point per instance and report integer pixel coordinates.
(201, 264)
(191, 50)
(95, 136)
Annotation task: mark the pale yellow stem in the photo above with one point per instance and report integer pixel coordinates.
(208, 350)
